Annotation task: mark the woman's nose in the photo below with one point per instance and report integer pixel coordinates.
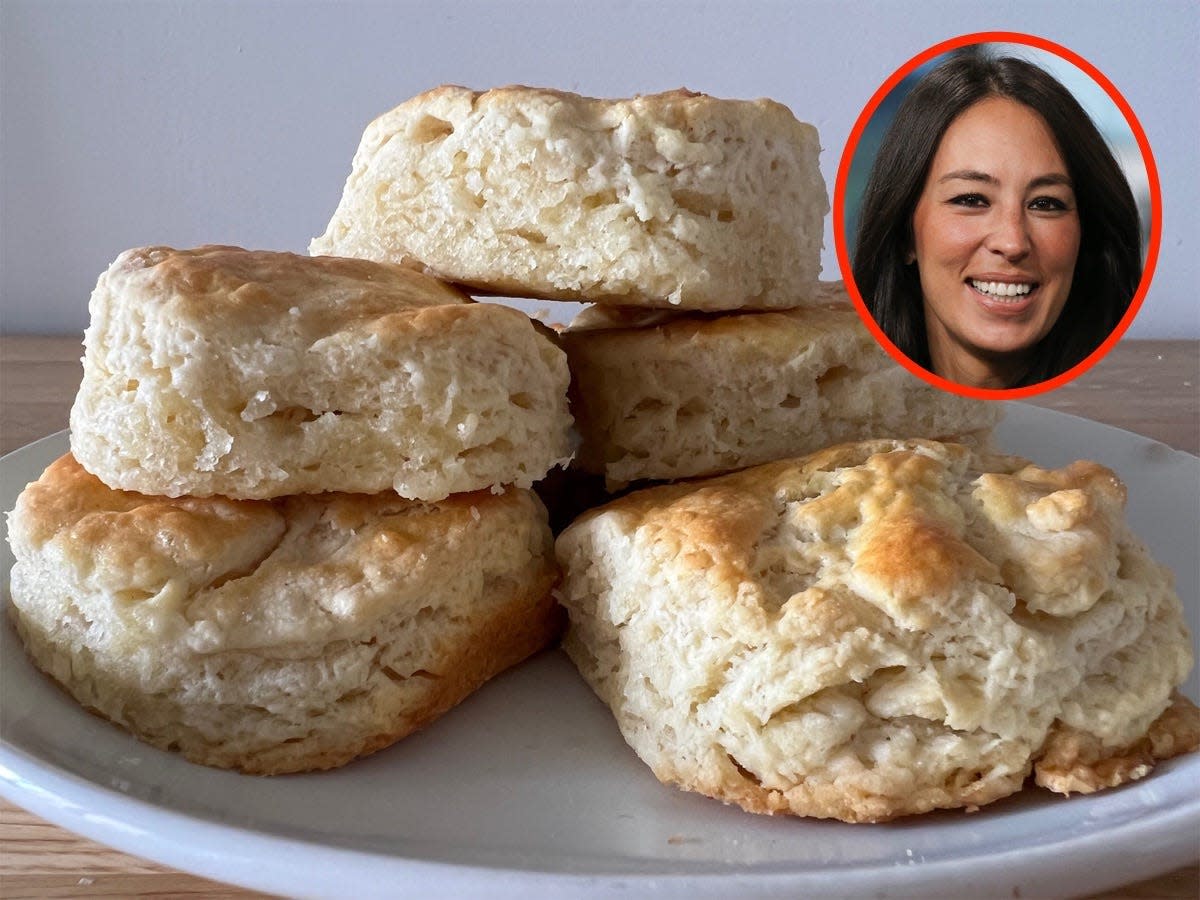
(1009, 235)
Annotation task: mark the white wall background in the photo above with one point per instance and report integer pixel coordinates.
(126, 123)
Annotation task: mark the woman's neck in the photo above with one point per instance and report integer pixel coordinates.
(970, 368)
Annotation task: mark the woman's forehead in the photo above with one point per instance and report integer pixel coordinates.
(999, 140)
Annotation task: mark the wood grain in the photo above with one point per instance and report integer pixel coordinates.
(1149, 387)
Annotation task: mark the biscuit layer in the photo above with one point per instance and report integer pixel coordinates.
(276, 636)
(255, 375)
(662, 396)
(674, 199)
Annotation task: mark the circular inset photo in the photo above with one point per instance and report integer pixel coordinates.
(997, 215)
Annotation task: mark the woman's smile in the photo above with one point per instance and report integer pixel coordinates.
(1004, 298)
(1014, 290)
(995, 239)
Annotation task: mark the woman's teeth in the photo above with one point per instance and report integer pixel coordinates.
(1001, 289)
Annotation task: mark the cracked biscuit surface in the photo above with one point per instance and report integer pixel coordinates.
(276, 636)
(673, 199)
(880, 629)
(255, 374)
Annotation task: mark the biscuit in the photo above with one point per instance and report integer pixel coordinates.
(661, 396)
(673, 199)
(276, 636)
(255, 375)
(880, 629)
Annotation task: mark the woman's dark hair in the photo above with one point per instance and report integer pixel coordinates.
(1109, 264)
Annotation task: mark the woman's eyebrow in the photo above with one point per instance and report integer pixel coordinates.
(1047, 180)
(967, 175)
(1051, 179)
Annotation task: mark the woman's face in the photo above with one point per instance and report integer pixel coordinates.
(995, 238)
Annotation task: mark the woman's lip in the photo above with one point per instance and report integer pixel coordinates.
(1006, 279)
(1004, 306)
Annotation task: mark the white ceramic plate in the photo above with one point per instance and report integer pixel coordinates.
(527, 789)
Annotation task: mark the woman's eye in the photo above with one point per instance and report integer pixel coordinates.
(1048, 204)
(970, 200)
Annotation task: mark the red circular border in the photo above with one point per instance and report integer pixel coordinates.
(839, 223)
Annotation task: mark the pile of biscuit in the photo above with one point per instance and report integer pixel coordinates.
(299, 519)
(296, 521)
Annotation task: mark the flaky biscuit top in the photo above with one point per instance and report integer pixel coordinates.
(917, 520)
(274, 297)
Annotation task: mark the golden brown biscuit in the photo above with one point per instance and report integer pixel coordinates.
(674, 199)
(879, 629)
(254, 374)
(276, 636)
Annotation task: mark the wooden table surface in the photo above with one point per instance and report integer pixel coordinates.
(1149, 387)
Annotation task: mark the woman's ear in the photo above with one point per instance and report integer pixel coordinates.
(910, 257)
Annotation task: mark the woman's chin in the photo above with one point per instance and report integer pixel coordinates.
(999, 339)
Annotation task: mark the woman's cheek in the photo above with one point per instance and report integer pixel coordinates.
(1059, 244)
(955, 238)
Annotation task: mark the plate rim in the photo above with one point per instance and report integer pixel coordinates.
(1169, 829)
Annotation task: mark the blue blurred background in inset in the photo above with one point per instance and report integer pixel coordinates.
(1104, 112)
